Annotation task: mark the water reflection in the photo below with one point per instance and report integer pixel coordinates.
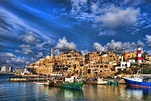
(67, 94)
(137, 93)
(58, 94)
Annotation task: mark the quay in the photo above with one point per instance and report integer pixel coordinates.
(26, 78)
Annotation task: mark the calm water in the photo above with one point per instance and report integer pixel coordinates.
(29, 92)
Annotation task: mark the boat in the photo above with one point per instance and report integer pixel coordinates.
(138, 81)
(91, 81)
(42, 83)
(101, 81)
(69, 83)
(72, 85)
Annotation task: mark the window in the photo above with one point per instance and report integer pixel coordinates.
(89, 71)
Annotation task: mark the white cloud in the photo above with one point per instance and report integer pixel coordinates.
(116, 17)
(77, 5)
(107, 32)
(23, 46)
(27, 51)
(122, 47)
(94, 8)
(64, 45)
(148, 40)
(57, 52)
(98, 47)
(40, 55)
(84, 52)
(17, 51)
(118, 46)
(134, 2)
(29, 38)
(18, 60)
(7, 55)
(9, 59)
(45, 43)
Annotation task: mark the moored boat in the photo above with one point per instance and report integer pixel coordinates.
(69, 83)
(72, 85)
(138, 81)
(102, 81)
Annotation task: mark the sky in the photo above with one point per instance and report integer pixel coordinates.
(30, 28)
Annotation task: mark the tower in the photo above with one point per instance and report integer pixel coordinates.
(139, 55)
(52, 53)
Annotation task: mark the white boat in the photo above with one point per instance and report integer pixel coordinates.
(41, 83)
(101, 81)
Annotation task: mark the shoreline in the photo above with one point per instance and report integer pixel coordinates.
(6, 73)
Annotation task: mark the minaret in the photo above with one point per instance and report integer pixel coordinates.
(52, 53)
(139, 54)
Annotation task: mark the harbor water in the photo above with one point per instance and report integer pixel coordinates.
(28, 91)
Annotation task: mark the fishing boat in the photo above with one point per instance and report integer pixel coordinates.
(72, 83)
(138, 81)
(102, 81)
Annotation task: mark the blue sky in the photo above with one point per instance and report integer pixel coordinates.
(30, 28)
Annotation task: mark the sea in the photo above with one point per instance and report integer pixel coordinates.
(28, 91)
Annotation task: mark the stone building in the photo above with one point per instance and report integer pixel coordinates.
(130, 56)
(91, 65)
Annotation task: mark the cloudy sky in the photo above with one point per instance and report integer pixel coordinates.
(30, 28)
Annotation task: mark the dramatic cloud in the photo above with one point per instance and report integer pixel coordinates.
(148, 40)
(13, 24)
(116, 17)
(64, 45)
(118, 46)
(122, 47)
(9, 59)
(28, 32)
(98, 47)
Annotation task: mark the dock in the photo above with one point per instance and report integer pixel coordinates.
(27, 78)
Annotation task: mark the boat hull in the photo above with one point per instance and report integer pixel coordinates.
(73, 85)
(137, 84)
(102, 83)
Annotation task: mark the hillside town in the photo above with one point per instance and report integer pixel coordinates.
(93, 64)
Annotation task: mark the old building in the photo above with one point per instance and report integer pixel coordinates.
(92, 64)
(130, 56)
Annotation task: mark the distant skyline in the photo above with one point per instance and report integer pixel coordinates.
(30, 28)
